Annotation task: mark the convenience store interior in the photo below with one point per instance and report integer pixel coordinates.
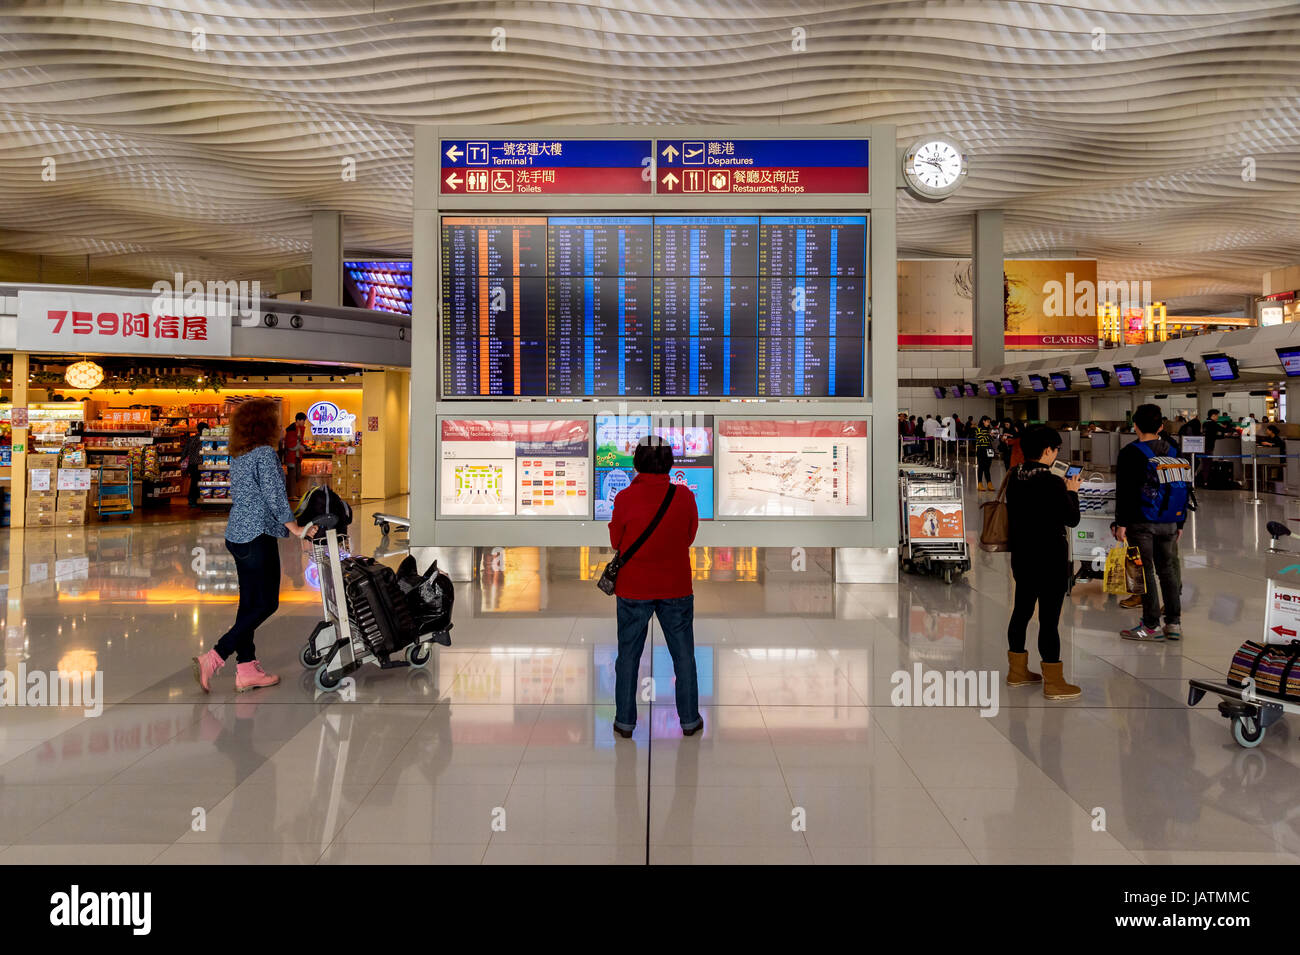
(130, 431)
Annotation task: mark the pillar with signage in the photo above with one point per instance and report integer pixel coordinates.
(730, 289)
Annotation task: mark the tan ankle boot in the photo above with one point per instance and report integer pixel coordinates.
(1018, 672)
(1054, 685)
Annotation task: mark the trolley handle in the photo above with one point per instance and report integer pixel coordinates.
(321, 524)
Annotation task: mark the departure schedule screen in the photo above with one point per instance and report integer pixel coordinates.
(662, 306)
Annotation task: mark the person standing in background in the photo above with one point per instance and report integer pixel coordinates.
(931, 432)
(294, 443)
(193, 457)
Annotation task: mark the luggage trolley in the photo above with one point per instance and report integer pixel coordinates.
(335, 647)
(1090, 541)
(932, 521)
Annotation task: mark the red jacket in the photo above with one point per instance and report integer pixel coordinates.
(661, 569)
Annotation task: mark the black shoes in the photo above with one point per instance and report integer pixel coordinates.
(619, 731)
(692, 732)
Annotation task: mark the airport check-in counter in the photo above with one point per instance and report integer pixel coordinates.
(1070, 446)
(1105, 448)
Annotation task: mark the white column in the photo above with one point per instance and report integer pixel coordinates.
(327, 258)
(988, 318)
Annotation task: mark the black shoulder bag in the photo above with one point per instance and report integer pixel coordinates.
(610, 576)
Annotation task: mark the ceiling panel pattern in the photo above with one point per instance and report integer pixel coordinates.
(171, 158)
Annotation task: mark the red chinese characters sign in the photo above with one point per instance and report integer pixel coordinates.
(81, 323)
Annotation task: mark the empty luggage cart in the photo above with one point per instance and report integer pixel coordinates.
(932, 521)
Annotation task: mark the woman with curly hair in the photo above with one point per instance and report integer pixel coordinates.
(259, 516)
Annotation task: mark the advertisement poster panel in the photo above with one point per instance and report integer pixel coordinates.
(691, 438)
(1048, 303)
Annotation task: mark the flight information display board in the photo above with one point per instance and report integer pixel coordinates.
(493, 467)
(773, 468)
(691, 439)
(654, 306)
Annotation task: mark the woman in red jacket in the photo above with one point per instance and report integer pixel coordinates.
(655, 581)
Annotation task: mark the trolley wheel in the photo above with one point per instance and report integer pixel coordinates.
(327, 681)
(419, 654)
(309, 657)
(383, 528)
(947, 575)
(1248, 731)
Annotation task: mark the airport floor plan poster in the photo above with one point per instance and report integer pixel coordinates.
(691, 438)
(515, 468)
(767, 468)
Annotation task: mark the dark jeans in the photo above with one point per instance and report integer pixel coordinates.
(1158, 545)
(258, 566)
(1040, 583)
(677, 618)
(984, 465)
(194, 486)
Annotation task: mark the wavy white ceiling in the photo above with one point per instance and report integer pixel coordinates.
(211, 162)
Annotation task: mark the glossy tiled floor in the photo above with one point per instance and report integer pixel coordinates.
(501, 750)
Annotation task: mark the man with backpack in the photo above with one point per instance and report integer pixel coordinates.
(1153, 493)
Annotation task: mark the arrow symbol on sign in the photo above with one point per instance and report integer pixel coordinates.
(453, 180)
(1283, 631)
(670, 152)
(670, 180)
(454, 153)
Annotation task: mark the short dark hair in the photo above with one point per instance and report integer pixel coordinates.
(1212, 412)
(1148, 418)
(300, 416)
(1037, 439)
(203, 426)
(653, 455)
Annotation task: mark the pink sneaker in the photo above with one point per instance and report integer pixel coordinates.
(206, 666)
(251, 676)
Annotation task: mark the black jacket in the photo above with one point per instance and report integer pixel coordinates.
(1131, 477)
(1039, 509)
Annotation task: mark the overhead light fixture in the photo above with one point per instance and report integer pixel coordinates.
(84, 374)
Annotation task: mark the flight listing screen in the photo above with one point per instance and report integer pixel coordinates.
(662, 306)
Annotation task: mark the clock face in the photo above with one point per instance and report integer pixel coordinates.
(934, 168)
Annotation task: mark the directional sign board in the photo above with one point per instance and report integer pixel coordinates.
(709, 167)
(1281, 614)
(533, 166)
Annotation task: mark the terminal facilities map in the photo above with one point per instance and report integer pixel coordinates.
(808, 468)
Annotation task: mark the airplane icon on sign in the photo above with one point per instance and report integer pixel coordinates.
(693, 154)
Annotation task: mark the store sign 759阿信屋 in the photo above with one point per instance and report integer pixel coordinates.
(118, 324)
(328, 420)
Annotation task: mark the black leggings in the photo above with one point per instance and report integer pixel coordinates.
(258, 565)
(984, 464)
(1039, 583)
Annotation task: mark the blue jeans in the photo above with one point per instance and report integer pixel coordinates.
(677, 618)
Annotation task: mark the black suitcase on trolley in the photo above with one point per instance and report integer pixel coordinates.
(377, 607)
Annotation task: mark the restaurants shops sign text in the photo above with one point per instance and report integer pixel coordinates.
(81, 323)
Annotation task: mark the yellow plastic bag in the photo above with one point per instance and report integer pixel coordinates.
(1114, 581)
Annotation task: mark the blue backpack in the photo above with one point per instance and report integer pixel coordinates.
(1167, 495)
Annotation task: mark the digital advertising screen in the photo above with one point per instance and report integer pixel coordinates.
(691, 438)
(1037, 383)
(1060, 382)
(1098, 377)
(1290, 359)
(1126, 376)
(1220, 367)
(1180, 371)
(381, 286)
(662, 306)
(493, 467)
(767, 468)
